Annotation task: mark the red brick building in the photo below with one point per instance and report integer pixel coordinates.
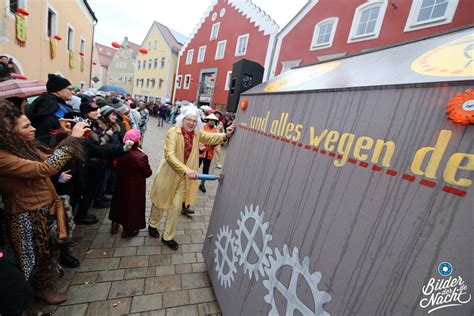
(328, 29)
(229, 30)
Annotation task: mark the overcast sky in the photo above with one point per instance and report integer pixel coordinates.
(133, 18)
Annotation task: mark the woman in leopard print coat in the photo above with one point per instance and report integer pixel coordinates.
(24, 174)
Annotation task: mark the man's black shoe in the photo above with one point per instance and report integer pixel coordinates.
(67, 259)
(153, 232)
(187, 211)
(202, 187)
(88, 220)
(101, 204)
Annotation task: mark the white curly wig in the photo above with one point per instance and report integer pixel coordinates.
(190, 110)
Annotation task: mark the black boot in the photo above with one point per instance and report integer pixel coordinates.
(67, 259)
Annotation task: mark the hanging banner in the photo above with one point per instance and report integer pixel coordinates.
(53, 43)
(82, 64)
(71, 59)
(20, 28)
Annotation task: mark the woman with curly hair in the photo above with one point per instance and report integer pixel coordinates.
(25, 169)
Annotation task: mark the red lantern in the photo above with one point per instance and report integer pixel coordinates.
(116, 45)
(144, 51)
(22, 11)
(81, 53)
(244, 104)
(94, 63)
(57, 37)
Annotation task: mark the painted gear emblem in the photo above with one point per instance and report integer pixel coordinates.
(293, 302)
(225, 268)
(262, 253)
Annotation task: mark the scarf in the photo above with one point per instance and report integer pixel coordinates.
(188, 143)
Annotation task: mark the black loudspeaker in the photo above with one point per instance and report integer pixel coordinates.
(245, 75)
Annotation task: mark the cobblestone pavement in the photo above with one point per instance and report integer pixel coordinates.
(140, 275)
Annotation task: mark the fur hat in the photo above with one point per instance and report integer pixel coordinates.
(56, 83)
(106, 111)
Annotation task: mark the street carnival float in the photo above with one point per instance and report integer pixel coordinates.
(348, 188)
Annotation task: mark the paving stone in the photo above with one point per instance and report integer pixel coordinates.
(188, 310)
(178, 298)
(199, 267)
(99, 264)
(110, 275)
(79, 309)
(195, 280)
(150, 241)
(211, 308)
(164, 270)
(125, 251)
(118, 306)
(126, 288)
(82, 278)
(161, 312)
(134, 262)
(183, 268)
(162, 284)
(199, 257)
(183, 239)
(87, 293)
(149, 250)
(104, 240)
(159, 260)
(99, 253)
(136, 273)
(192, 248)
(145, 303)
(201, 295)
(198, 239)
(129, 242)
(193, 232)
(183, 258)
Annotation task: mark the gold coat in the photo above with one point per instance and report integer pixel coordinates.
(172, 169)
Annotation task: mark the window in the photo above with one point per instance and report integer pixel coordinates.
(187, 81)
(227, 80)
(367, 21)
(149, 64)
(147, 83)
(139, 64)
(323, 35)
(160, 83)
(156, 44)
(189, 56)
(15, 4)
(429, 13)
(142, 80)
(83, 45)
(215, 30)
(52, 22)
(241, 47)
(138, 81)
(155, 63)
(220, 50)
(178, 81)
(163, 60)
(70, 38)
(201, 54)
(153, 82)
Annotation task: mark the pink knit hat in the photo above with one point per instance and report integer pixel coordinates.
(133, 135)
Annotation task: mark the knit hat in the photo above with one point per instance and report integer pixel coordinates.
(100, 101)
(56, 83)
(88, 105)
(106, 110)
(133, 135)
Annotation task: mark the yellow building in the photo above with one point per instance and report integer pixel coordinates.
(155, 71)
(35, 52)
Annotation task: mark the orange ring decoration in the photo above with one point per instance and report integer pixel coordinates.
(460, 109)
